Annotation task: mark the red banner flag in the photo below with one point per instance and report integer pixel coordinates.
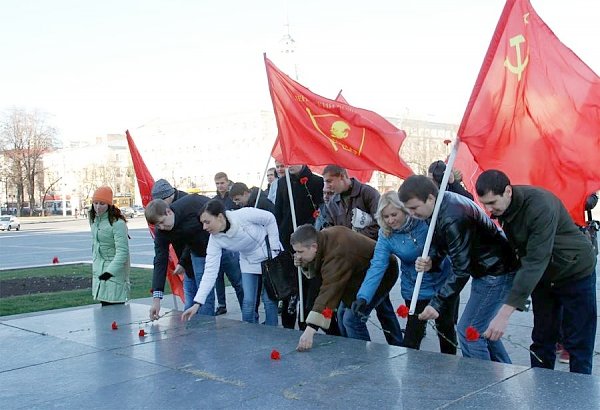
(534, 112)
(361, 175)
(319, 131)
(145, 183)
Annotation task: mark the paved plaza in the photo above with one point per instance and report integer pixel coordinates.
(72, 358)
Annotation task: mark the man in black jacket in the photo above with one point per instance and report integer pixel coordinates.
(243, 196)
(557, 270)
(307, 191)
(178, 225)
(476, 248)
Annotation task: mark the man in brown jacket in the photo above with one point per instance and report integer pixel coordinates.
(341, 257)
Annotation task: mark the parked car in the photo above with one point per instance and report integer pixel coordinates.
(139, 210)
(8, 222)
(127, 211)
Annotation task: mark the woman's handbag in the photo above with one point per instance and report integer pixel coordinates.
(278, 274)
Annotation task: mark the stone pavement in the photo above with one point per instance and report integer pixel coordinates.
(72, 358)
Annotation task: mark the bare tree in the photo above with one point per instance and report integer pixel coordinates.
(25, 137)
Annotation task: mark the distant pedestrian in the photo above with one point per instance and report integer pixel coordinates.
(110, 250)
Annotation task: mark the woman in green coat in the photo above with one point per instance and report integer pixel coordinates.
(110, 250)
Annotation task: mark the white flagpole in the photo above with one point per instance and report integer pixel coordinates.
(295, 225)
(436, 210)
(262, 181)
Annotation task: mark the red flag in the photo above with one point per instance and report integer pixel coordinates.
(319, 131)
(361, 175)
(146, 182)
(534, 112)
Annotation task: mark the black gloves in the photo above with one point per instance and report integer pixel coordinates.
(105, 276)
(359, 306)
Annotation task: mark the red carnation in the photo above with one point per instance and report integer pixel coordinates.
(327, 313)
(304, 180)
(142, 333)
(275, 355)
(402, 311)
(316, 214)
(472, 334)
(114, 326)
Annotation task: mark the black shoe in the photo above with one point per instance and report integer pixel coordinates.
(221, 310)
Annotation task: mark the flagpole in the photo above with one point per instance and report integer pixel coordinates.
(295, 225)
(262, 181)
(436, 210)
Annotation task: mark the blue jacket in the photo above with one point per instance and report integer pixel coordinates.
(407, 244)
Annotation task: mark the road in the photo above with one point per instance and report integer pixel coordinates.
(68, 240)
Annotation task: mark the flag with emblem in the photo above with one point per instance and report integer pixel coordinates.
(534, 112)
(145, 184)
(316, 130)
(363, 175)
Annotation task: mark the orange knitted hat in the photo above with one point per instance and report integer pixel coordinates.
(103, 194)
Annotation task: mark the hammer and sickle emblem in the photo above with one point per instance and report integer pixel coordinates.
(518, 69)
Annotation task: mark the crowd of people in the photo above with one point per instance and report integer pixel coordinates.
(353, 244)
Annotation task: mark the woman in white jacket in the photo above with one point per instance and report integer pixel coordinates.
(244, 231)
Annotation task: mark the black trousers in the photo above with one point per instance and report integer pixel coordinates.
(415, 328)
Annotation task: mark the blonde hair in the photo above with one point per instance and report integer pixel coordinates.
(387, 199)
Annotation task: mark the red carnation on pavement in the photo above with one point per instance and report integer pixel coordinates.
(402, 311)
(472, 334)
(55, 260)
(275, 355)
(142, 333)
(303, 180)
(316, 214)
(327, 313)
(114, 326)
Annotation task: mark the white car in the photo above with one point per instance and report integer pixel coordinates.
(8, 222)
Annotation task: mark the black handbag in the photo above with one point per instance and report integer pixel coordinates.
(279, 274)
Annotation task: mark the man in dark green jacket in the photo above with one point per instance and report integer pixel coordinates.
(557, 270)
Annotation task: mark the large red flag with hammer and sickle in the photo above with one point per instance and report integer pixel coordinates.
(145, 183)
(534, 112)
(316, 130)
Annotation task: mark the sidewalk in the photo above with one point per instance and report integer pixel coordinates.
(26, 220)
(80, 360)
(518, 331)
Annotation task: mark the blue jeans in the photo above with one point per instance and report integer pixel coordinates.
(251, 283)
(578, 302)
(355, 327)
(190, 287)
(488, 293)
(230, 266)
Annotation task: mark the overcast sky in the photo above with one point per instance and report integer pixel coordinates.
(100, 67)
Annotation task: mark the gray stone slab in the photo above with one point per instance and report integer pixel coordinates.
(537, 389)
(420, 380)
(20, 348)
(170, 389)
(240, 354)
(30, 386)
(92, 325)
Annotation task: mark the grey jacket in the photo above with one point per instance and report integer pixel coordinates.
(363, 197)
